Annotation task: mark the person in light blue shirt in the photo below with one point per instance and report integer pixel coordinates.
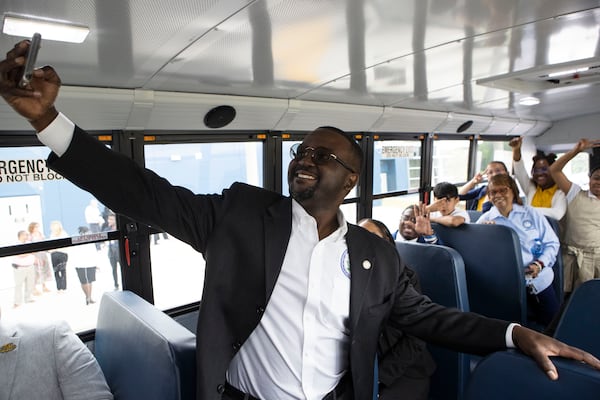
(539, 244)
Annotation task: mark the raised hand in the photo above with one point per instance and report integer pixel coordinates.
(36, 102)
(516, 142)
(584, 144)
(422, 221)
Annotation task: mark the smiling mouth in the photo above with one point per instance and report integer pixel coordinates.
(305, 176)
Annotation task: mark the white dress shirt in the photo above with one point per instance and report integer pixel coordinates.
(299, 350)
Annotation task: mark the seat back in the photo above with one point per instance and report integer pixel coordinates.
(579, 324)
(512, 375)
(143, 353)
(558, 283)
(441, 273)
(493, 266)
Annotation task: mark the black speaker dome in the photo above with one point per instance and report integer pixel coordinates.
(219, 116)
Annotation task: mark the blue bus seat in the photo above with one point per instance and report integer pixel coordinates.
(512, 375)
(441, 273)
(579, 324)
(143, 353)
(558, 283)
(493, 266)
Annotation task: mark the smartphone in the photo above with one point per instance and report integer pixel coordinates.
(34, 47)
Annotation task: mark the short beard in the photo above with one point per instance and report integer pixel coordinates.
(303, 195)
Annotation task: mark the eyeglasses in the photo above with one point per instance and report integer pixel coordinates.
(541, 170)
(501, 191)
(319, 155)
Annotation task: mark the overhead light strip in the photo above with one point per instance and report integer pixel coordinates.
(27, 25)
(568, 72)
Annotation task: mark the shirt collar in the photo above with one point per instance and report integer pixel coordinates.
(495, 213)
(301, 217)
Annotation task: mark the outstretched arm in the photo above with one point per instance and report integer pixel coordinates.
(541, 347)
(556, 169)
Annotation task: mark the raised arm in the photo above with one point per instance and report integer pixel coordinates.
(516, 143)
(518, 166)
(478, 178)
(35, 102)
(556, 169)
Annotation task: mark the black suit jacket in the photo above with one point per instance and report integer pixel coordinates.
(243, 234)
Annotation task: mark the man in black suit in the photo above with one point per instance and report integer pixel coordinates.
(294, 299)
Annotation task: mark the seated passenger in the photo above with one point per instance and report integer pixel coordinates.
(476, 197)
(539, 244)
(443, 210)
(581, 258)
(48, 362)
(541, 191)
(415, 226)
(405, 365)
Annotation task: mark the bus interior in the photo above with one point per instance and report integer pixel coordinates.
(211, 92)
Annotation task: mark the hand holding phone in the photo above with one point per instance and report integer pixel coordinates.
(32, 53)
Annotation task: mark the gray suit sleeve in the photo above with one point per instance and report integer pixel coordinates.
(79, 374)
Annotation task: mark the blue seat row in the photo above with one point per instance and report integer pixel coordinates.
(441, 273)
(512, 375)
(493, 267)
(144, 354)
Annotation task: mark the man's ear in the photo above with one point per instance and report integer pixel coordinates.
(351, 181)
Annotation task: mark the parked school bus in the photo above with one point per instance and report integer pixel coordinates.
(206, 93)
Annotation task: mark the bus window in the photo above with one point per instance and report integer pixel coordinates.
(177, 269)
(488, 151)
(450, 161)
(388, 210)
(578, 169)
(33, 200)
(396, 168)
(396, 165)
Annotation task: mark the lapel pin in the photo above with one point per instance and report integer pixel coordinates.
(8, 347)
(366, 264)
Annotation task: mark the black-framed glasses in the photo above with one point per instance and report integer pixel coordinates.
(319, 155)
(502, 191)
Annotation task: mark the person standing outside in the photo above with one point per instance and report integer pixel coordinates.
(93, 217)
(42, 264)
(581, 252)
(59, 257)
(24, 273)
(113, 248)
